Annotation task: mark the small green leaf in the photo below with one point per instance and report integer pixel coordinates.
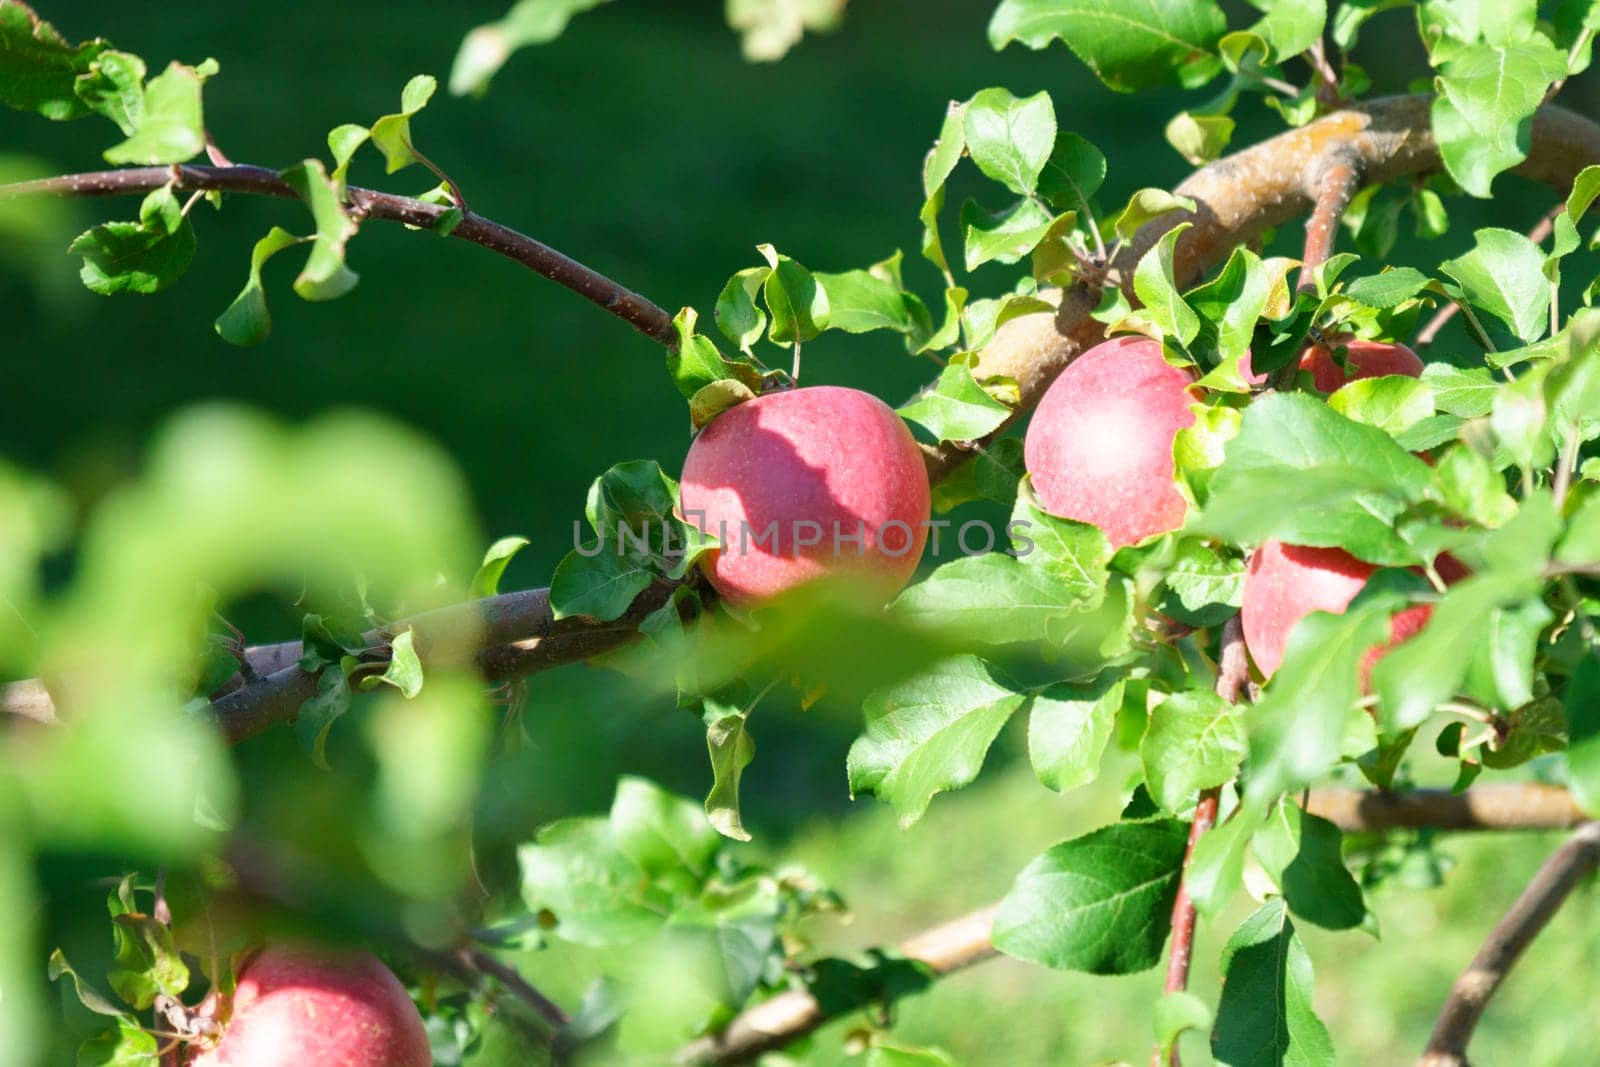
(1175, 1014)
(929, 734)
(956, 408)
(529, 22)
(342, 143)
(1147, 205)
(1100, 903)
(1199, 138)
(1157, 288)
(87, 995)
(860, 301)
(738, 316)
(799, 306)
(1010, 139)
(325, 276)
(147, 961)
(601, 585)
(991, 598)
(137, 257)
(731, 748)
(1389, 288)
(171, 128)
(486, 582)
(1393, 403)
(318, 714)
(1483, 113)
(1291, 26)
(391, 134)
(1467, 392)
(124, 1045)
(114, 87)
(1004, 237)
(1266, 1013)
(1504, 275)
(1195, 740)
(247, 321)
(404, 671)
(38, 67)
(1304, 855)
(1074, 172)
(1068, 727)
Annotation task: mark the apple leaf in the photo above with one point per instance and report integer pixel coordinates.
(1009, 139)
(1304, 855)
(1068, 727)
(929, 734)
(1127, 46)
(1100, 903)
(1266, 1014)
(957, 408)
(1195, 740)
(1504, 275)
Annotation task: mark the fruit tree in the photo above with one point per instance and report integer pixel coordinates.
(1255, 519)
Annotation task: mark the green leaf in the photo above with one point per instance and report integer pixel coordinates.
(946, 151)
(860, 301)
(1074, 172)
(391, 134)
(529, 22)
(1004, 237)
(769, 28)
(1128, 47)
(990, 598)
(124, 1045)
(1483, 113)
(596, 894)
(1176, 1013)
(1068, 727)
(342, 144)
(1290, 26)
(1266, 1014)
(799, 306)
(1393, 403)
(1231, 303)
(601, 585)
(956, 408)
(1157, 289)
(1100, 903)
(1582, 701)
(1076, 553)
(1207, 584)
(1303, 473)
(87, 995)
(1389, 288)
(38, 67)
(171, 127)
(147, 961)
(732, 748)
(137, 257)
(695, 363)
(325, 276)
(113, 86)
(1195, 740)
(1297, 729)
(929, 734)
(1147, 205)
(1504, 275)
(1467, 392)
(1216, 869)
(1010, 139)
(738, 316)
(885, 1055)
(404, 671)
(318, 714)
(1304, 855)
(660, 832)
(1199, 138)
(247, 321)
(486, 582)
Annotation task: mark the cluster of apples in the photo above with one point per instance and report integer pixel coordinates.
(1098, 450)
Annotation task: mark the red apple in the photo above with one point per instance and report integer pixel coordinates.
(1285, 583)
(806, 484)
(1363, 359)
(295, 1006)
(1099, 448)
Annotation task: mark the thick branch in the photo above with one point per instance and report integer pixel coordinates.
(790, 1016)
(1534, 909)
(1239, 197)
(594, 287)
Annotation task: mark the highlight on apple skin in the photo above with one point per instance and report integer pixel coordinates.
(1099, 447)
(1285, 583)
(294, 1006)
(789, 481)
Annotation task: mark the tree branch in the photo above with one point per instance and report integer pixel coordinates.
(1233, 670)
(1239, 197)
(594, 287)
(1533, 910)
(962, 942)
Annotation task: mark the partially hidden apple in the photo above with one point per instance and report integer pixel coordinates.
(1099, 447)
(805, 484)
(294, 1006)
(1362, 359)
(1285, 583)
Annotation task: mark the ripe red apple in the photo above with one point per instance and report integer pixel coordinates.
(295, 1006)
(1099, 448)
(1363, 359)
(790, 481)
(1285, 583)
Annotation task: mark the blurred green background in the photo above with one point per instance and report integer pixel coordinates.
(642, 144)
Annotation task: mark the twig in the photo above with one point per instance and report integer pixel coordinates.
(593, 286)
(1233, 670)
(1327, 77)
(1533, 910)
(481, 962)
(1537, 235)
(1335, 184)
